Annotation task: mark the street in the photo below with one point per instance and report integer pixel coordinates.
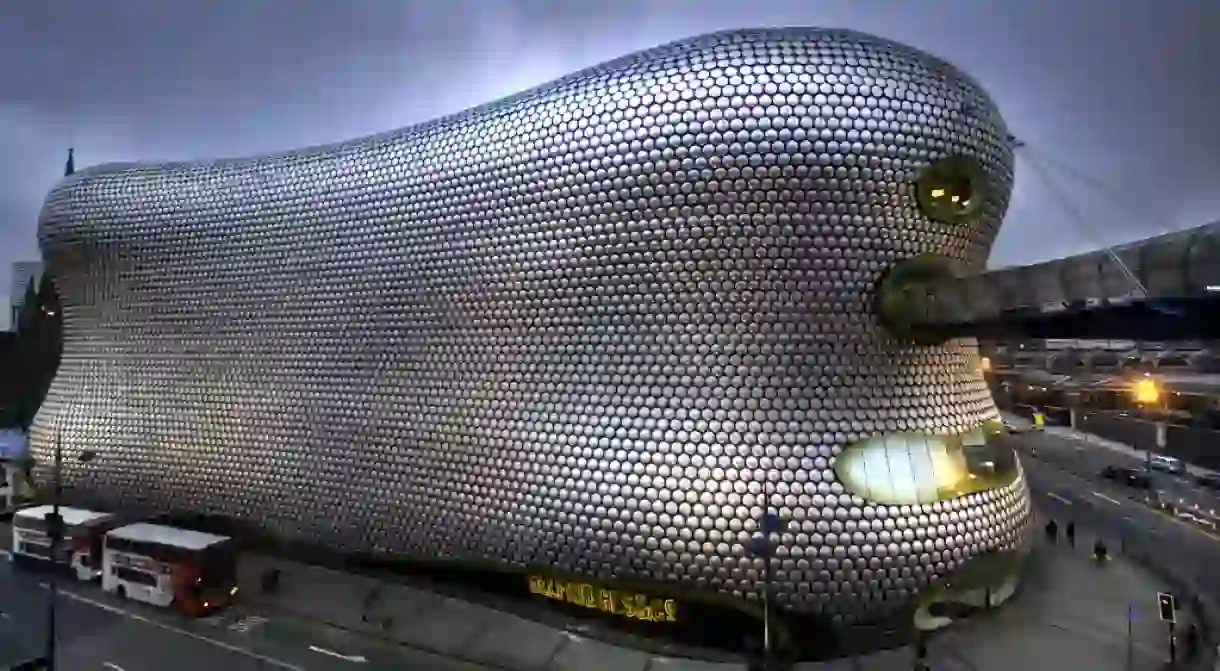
(1087, 459)
(97, 632)
(1191, 554)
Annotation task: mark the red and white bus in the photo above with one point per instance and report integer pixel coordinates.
(166, 566)
(81, 545)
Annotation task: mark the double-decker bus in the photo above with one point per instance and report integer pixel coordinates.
(165, 566)
(80, 548)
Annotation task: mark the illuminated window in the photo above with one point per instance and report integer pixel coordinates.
(952, 190)
(912, 468)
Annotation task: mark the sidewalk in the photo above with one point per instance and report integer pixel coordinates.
(1070, 614)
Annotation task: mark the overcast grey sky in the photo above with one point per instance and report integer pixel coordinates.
(1125, 91)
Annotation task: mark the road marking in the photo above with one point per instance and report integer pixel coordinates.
(1106, 498)
(112, 666)
(1055, 496)
(161, 625)
(357, 659)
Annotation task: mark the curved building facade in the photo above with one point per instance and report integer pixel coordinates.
(601, 325)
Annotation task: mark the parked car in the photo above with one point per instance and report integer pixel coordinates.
(1131, 477)
(1160, 462)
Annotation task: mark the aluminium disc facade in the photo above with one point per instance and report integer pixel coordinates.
(601, 325)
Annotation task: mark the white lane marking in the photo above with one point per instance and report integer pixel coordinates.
(357, 659)
(1106, 498)
(1055, 496)
(112, 666)
(161, 625)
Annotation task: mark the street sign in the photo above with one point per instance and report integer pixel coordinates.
(771, 523)
(1167, 606)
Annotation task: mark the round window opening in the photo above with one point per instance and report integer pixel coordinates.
(952, 190)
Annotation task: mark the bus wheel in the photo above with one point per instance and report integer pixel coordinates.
(121, 591)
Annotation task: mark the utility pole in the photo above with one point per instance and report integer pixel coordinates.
(55, 528)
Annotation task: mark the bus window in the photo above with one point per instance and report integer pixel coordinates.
(132, 575)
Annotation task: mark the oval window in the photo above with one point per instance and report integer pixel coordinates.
(952, 190)
(912, 468)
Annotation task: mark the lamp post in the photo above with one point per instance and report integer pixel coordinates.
(762, 547)
(55, 528)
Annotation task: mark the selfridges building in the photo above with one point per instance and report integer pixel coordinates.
(602, 325)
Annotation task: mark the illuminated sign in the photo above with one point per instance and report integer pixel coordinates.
(632, 605)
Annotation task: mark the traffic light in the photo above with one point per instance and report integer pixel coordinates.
(1167, 606)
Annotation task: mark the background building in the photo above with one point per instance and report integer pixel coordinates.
(25, 276)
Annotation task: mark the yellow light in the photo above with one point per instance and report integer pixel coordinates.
(985, 364)
(1146, 391)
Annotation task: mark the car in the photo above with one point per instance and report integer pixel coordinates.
(1131, 477)
(1160, 462)
(1208, 480)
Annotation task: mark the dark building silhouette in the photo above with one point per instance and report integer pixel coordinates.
(32, 356)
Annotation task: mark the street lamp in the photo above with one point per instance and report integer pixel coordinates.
(762, 547)
(1146, 391)
(55, 528)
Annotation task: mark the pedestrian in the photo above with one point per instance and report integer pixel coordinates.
(1192, 640)
(1052, 530)
(1071, 534)
(370, 599)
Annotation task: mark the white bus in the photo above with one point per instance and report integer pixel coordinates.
(81, 545)
(166, 566)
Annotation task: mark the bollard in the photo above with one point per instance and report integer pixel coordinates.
(921, 654)
(271, 580)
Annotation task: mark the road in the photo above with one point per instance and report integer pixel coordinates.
(97, 632)
(1184, 549)
(1087, 459)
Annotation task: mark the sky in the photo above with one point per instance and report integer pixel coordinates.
(1118, 101)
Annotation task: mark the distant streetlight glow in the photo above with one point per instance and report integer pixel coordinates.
(1146, 391)
(985, 364)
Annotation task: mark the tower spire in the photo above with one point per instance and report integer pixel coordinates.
(70, 166)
